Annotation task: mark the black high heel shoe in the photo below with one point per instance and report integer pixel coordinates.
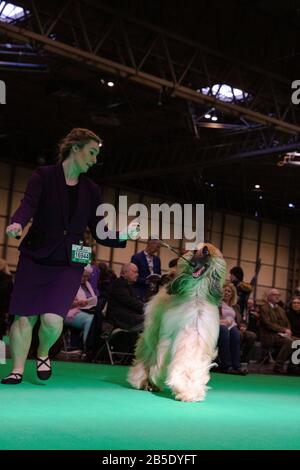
(12, 379)
(43, 374)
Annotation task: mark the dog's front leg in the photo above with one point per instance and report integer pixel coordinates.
(188, 371)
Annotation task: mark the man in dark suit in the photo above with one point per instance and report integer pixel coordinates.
(124, 309)
(148, 263)
(275, 330)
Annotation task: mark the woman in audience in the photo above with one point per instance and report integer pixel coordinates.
(293, 315)
(230, 338)
(78, 316)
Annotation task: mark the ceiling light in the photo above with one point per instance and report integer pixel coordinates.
(257, 186)
(10, 12)
(290, 158)
(111, 84)
(225, 92)
(291, 205)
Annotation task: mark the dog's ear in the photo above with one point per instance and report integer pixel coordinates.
(175, 287)
(217, 281)
(216, 290)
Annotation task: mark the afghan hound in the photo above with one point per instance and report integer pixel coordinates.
(178, 344)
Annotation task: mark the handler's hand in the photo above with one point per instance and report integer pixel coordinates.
(14, 230)
(132, 231)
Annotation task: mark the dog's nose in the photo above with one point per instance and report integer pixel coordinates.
(205, 251)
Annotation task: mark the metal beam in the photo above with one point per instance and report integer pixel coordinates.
(191, 167)
(138, 76)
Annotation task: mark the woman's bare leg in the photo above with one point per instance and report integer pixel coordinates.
(50, 330)
(20, 340)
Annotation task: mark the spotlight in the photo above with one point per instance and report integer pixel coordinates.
(209, 113)
(111, 84)
(291, 205)
(257, 186)
(214, 117)
(260, 197)
(291, 158)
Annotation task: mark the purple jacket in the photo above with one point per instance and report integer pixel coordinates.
(46, 201)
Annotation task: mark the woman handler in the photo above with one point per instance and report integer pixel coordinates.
(62, 201)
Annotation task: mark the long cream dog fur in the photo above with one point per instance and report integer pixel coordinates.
(179, 341)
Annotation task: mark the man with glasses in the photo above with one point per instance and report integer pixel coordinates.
(275, 330)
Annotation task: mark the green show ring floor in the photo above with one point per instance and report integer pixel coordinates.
(91, 407)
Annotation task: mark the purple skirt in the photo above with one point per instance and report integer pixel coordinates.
(40, 289)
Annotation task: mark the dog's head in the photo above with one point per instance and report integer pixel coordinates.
(201, 273)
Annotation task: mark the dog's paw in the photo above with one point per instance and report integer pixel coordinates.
(149, 387)
(190, 398)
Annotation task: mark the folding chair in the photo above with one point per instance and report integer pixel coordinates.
(109, 343)
(68, 352)
(267, 357)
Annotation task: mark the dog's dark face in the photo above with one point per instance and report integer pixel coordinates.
(203, 272)
(200, 261)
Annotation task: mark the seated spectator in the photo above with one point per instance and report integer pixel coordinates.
(293, 315)
(248, 339)
(229, 338)
(124, 309)
(6, 285)
(106, 277)
(297, 291)
(148, 263)
(95, 273)
(78, 316)
(275, 330)
(243, 288)
(252, 316)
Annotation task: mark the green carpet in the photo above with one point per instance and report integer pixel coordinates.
(90, 406)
